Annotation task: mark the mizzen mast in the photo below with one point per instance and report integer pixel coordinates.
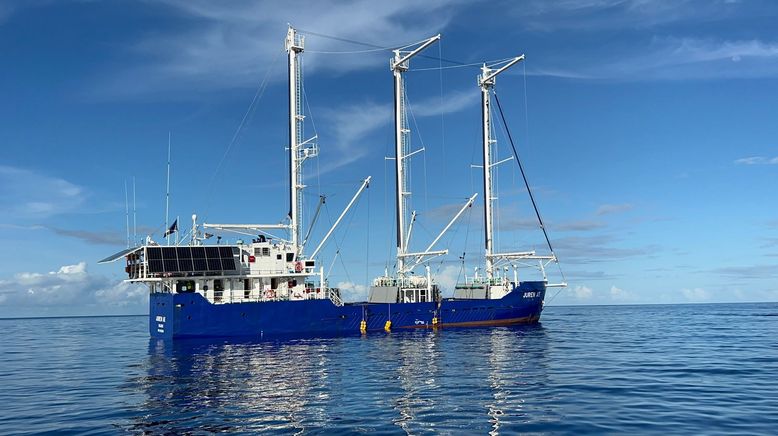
(400, 64)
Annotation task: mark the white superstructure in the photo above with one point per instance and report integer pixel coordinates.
(267, 268)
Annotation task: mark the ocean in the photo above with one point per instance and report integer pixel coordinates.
(680, 369)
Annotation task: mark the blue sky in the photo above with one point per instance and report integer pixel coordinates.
(648, 134)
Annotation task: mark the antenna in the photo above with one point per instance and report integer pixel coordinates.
(127, 212)
(167, 189)
(134, 215)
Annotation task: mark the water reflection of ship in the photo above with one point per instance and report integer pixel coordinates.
(250, 386)
(518, 361)
(416, 382)
(446, 383)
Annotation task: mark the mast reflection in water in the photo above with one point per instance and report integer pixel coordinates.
(416, 382)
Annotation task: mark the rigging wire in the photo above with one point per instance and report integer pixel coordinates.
(249, 111)
(367, 245)
(462, 65)
(526, 183)
(372, 50)
(423, 146)
(372, 46)
(442, 113)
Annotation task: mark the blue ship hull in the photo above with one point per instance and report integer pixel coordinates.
(183, 315)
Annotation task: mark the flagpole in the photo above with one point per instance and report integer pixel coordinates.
(134, 215)
(127, 212)
(167, 189)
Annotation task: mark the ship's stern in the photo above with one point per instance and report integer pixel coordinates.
(161, 315)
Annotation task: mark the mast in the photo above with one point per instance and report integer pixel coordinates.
(399, 64)
(299, 150)
(294, 46)
(486, 83)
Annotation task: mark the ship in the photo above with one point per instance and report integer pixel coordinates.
(269, 286)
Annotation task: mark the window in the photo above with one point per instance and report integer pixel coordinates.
(289, 257)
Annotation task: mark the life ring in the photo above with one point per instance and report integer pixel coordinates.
(298, 267)
(270, 294)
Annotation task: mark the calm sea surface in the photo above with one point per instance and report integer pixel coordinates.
(699, 369)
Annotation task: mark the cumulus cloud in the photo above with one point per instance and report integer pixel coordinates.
(620, 295)
(695, 294)
(351, 291)
(583, 292)
(71, 290)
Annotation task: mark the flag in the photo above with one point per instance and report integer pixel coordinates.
(172, 229)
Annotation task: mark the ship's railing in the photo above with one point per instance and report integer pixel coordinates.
(334, 295)
(416, 282)
(480, 281)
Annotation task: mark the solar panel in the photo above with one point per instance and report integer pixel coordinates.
(190, 259)
(154, 253)
(120, 254)
(228, 264)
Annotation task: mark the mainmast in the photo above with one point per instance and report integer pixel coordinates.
(298, 151)
(486, 83)
(399, 65)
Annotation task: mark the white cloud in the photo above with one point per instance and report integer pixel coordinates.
(695, 294)
(353, 124)
(671, 58)
(26, 194)
(757, 160)
(224, 45)
(620, 295)
(71, 290)
(350, 291)
(595, 15)
(448, 277)
(583, 292)
(452, 102)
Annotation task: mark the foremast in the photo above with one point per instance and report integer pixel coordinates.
(299, 151)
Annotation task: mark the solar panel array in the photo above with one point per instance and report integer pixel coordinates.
(190, 259)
